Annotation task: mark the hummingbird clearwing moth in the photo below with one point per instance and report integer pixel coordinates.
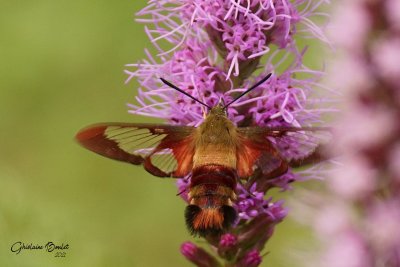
(216, 154)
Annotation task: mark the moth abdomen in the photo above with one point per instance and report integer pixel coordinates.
(214, 174)
(212, 191)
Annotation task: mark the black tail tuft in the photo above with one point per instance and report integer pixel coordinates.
(230, 215)
(191, 212)
(214, 221)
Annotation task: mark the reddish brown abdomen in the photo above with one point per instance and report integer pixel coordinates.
(212, 191)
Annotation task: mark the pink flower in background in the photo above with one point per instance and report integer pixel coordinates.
(386, 56)
(346, 250)
(358, 218)
(215, 50)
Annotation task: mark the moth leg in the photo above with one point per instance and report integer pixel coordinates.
(245, 187)
(317, 156)
(269, 168)
(272, 165)
(281, 170)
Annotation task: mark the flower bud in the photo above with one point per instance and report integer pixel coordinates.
(227, 246)
(251, 259)
(198, 256)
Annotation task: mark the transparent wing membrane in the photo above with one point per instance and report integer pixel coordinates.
(160, 148)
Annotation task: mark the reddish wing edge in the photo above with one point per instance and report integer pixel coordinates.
(253, 151)
(256, 150)
(93, 138)
(179, 139)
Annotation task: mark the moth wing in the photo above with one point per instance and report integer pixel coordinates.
(254, 151)
(274, 149)
(300, 146)
(163, 150)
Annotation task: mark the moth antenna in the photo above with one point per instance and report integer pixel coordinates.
(202, 97)
(183, 92)
(221, 101)
(250, 89)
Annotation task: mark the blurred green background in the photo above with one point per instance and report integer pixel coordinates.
(62, 68)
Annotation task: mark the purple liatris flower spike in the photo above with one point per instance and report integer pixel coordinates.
(214, 51)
